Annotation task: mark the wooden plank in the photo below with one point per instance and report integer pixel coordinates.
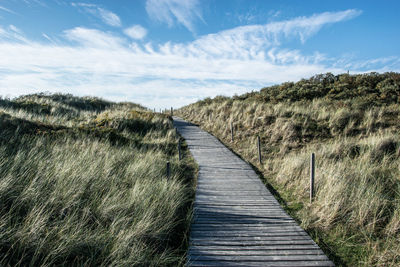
(244, 185)
(235, 199)
(263, 264)
(250, 242)
(236, 226)
(256, 248)
(262, 229)
(241, 212)
(235, 203)
(237, 208)
(221, 192)
(195, 234)
(276, 252)
(248, 238)
(248, 220)
(227, 188)
(215, 220)
(240, 194)
(223, 179)
(263, 258)
(232, 202)
(240, 228)
(243, 216)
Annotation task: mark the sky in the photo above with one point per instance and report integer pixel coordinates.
(163, 53)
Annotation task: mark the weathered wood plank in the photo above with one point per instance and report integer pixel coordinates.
(242, 227)
(250, 242)
(201, 234)
(263, 258)
(263, 264)
(237, 207)
(238, 212)
(256, 248)
(199, 239)
(266, 230)
(238, 215)
(237, 221)
(200, 220)
(271, 252)
(235, 203)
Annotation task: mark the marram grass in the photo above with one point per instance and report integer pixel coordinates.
(90, 188)
(355, 216)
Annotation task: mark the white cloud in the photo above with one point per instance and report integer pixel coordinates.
(105, 15)
(251, 42)
(93, 38)
(304, 27)
(228, 62)
(12, 34)
(171, 11)
(14, 29)
(109, 17)
(136, 32)
(7, 10)
(48, 38)
(35, 2)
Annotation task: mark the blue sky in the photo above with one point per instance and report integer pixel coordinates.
(163, 53)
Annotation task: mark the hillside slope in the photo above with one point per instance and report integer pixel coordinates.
(351, 122)
(82, 182)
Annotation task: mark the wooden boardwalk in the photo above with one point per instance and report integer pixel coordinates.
(237, 221)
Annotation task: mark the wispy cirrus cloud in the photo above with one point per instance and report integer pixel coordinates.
(226, 62)
(304, 27)
(7, 10)
(253, 40)
(13, 34)
(136, 32)
(93, 38)
(175, 11)
(105, 15)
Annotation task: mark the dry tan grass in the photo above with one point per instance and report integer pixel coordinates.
(356, 207)
(87, 186)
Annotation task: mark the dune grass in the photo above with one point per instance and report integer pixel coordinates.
(82, 182)
(355, 216)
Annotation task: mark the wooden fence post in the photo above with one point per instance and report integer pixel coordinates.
(312, 176)
(231, 131)
(179, 149)
(259, 149)
(168, 169)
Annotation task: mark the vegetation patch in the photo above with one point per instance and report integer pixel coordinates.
(351, 123)
(83, 182)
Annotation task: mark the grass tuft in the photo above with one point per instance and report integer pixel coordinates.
(351, 123)
(83, 182)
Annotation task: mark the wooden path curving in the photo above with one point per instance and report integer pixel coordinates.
(237, 221)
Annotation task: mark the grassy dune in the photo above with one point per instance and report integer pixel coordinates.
(352, 123)
(82, 182)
